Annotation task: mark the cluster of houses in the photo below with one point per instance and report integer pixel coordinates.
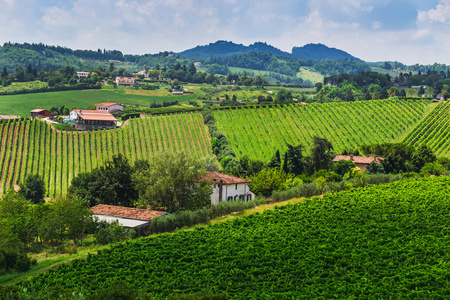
(83, 119)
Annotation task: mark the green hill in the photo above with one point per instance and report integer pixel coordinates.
(384, 242)
(434, 131)
(259, 132)
(35, 147)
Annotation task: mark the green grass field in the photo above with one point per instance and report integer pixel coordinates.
(308, 74)
(22, 104)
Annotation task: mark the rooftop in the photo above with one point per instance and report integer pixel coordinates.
(126, 212)
(101, 115)
(107, 104)
(38, 110)
(6, 117)
(227, 179)
(358, 159)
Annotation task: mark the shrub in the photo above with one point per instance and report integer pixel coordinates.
(109, 232)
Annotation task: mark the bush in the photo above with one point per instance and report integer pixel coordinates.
(305, 190)
(108, 233)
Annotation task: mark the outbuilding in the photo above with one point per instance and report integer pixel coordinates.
(228, 188)
(40, 113)
(128, 217)
(360, 161)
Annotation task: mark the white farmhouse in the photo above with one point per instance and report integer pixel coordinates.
(229, 188)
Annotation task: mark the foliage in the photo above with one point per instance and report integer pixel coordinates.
(294, 163)
(33, 188)
(343, 166)
(321, 153)
(326, 232)
(171, 183)
(109, 232)
(110, 184)
(374, 168)
(432, 168)
(267, 181)
(258, 132)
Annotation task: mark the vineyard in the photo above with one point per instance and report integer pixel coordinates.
(259, 132)
(382, 242)
(36, 147)
(434, 131)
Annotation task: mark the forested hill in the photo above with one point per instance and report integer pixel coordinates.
(321, 52)
(224, 48)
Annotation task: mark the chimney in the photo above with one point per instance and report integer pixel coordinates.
(81, 111)
(214, 181)
(245, 174)
(351, 157)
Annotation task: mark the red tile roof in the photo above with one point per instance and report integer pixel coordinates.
(227, 179)
(38, 110)
(126, 212)
(106, 104)
(100, 115)
(358, 159)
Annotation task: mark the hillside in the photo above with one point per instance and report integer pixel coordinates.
(434, 131)
(387, 241)
(321, 52)
(35, 147)
(224, 48)
(259, 132)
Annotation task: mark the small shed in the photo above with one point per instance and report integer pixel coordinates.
(40, 113)
(128, 217)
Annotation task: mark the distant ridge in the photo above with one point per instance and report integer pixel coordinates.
(226, 48)
(321, 52)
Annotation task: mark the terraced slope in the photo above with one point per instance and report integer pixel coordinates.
(434, 131)
(378, 242)
(259, 132)
(35, 147)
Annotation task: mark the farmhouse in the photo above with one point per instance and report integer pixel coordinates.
(228, 188)
(109, 107)
(360, 161)
(124, 81)
(92, 119)
(134, 218)
(8, 117)
(81, 75)
(40, 113)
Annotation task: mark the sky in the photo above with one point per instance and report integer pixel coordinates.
(408, 31)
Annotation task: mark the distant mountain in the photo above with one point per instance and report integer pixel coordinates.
(224, 48)
(321, 52)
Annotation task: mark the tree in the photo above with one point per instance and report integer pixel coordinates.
(5, 72)
(421, 91)
(432, 168)
(275, 161)
(267, 181)
(110, 184)
(393, 163)
(295, 164)
(422, 156)
(321, 153)
(374, 168)
(33, 188)
(172, 183)
(343, 166)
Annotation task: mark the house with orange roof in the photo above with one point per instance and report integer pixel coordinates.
(128, 217)
(360, 161)
(92, 119)
(228, 188)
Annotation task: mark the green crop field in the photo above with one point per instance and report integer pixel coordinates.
(259, 132)
(378, 242)
(22, 104)
(434, 131)
(36, 147)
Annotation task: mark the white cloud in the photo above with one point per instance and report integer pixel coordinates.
(439, 14)
(376, 25)
(55, 16)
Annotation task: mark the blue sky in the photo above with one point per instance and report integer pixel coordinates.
(409, 31)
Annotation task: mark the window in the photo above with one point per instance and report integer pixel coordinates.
(230, 198)
(249, 197)
(242, 197)
(236, 187)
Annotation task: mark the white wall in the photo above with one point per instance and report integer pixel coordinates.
(231, 191)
